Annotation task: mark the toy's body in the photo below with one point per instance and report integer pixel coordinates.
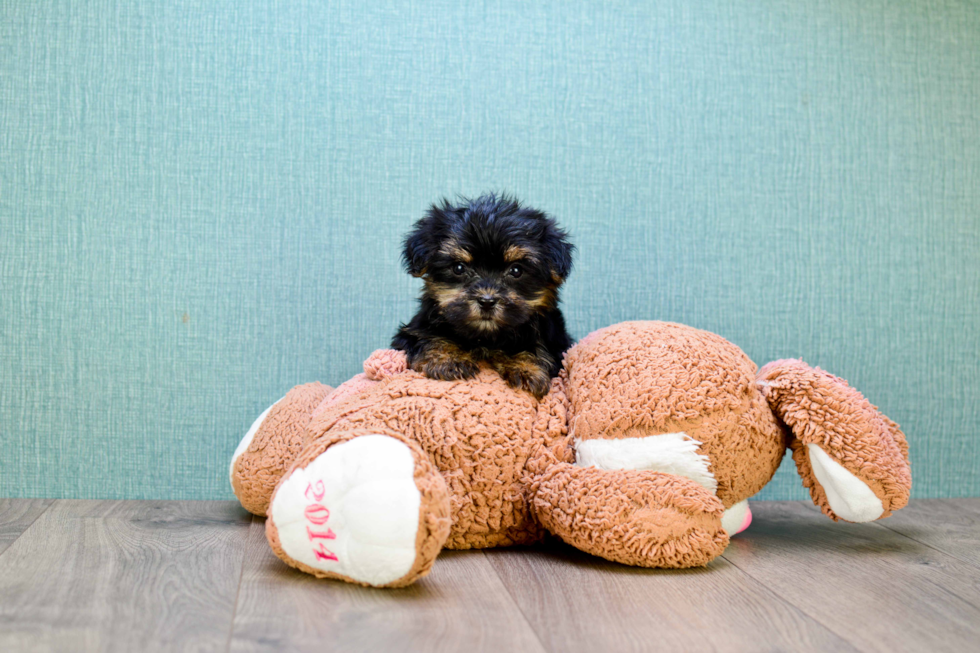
(644, 452)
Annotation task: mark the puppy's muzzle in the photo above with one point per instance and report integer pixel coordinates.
(487, 301)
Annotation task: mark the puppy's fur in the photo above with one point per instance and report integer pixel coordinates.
(492, 269)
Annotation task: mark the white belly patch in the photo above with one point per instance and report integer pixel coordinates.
(672, 453)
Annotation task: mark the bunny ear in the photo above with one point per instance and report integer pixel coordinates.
(853, 459)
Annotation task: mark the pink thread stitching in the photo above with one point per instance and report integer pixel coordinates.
(318, 514)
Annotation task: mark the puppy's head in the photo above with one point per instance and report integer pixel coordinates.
(489, 264)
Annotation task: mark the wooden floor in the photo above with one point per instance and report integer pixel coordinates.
(184, 576)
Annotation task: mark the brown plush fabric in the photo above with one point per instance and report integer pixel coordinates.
(385, 363)
(645, 519)
(648, 378)
(434, 519)
(651, 376)
(823, 409)
(476, 432)
(495, 465)
(552, 443)
(282, 435)
(352, 386)
(276, 443)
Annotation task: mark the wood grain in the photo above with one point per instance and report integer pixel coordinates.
(877, 589)
(948, 525)
(16, 515)
(123, 576)
(577, 602)
(460, 606)
(185, 576)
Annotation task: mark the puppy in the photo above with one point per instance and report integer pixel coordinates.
(492, 269)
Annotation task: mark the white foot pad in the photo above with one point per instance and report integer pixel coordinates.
(353, 511)
(847, 495)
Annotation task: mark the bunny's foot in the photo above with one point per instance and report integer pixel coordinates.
(368, 509)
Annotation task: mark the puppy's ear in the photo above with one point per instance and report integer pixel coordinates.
(417, 248)
(557, 251)
(423, 241)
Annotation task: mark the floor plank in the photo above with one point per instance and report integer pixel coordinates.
(460, 606)
(577, 602)
(131, 575)
(949, 525)
(872, 586)
(16, 515)
(123, 576)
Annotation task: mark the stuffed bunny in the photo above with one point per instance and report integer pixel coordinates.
(644, 452)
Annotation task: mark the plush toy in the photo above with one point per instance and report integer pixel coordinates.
(644, 452)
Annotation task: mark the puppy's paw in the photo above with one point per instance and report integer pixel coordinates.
(448, 370)
(536, 384)
(526, 373)
(444, 360)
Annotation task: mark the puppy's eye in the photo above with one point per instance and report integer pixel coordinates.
(515, 271)
(459, 269)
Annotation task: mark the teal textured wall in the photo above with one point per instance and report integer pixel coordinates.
(201, 203)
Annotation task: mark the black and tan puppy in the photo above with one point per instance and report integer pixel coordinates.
(492, 269)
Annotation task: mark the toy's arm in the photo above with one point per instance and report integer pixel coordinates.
(854, 460)
(637, 517)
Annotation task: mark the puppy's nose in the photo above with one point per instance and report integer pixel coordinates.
(486, 302)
